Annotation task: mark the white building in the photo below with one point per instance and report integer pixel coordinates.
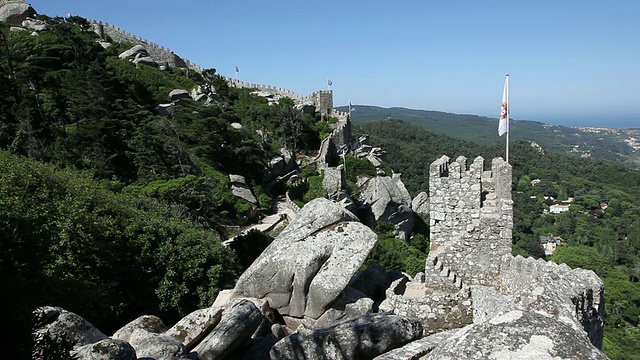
(557, 209)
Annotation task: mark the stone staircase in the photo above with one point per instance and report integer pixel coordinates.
(437, 297)
(441, 277)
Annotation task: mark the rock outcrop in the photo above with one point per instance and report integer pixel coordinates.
(240, 188)
(362, 338)
(138, 54)
(304, 270)
(107, 349)
(420, 204)
(178, 94)
(389, 201)
(35, 25)
(517, 335)
(61, 325)
(14, 12)
(281, 164)
(191, 329)
(238, 324)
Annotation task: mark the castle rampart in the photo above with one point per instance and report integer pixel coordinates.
(471, 235)
(556, 289)
(322, 100)
(267, 88)
(159, 53)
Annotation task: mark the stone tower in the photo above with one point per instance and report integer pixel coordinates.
(323, 100)
(471, 217)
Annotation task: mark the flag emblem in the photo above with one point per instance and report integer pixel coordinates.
(329, 82)
(237, 69)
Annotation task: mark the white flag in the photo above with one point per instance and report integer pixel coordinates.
(504, 111)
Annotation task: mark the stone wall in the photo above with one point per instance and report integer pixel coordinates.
(437, 308)
(558, 290)
(341, 135)
(159, 53)
(471, 218)
(321, 99)
(267, 88)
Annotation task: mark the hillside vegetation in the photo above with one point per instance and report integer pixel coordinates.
(601, 144)
(112, 210)
(108, 209)
(606, 241)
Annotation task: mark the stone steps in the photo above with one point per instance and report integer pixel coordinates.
(445, 273)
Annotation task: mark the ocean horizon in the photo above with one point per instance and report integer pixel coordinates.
(611, 123)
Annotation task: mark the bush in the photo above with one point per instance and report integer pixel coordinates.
(358, 167)
(203, 197)
(581, 257)
(620, 343)
(249, 246)
(315, 189)
(120, 255)
(394, 254)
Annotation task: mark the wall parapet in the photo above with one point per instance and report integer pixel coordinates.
(268, 88)
(556, 289)
(157, 52)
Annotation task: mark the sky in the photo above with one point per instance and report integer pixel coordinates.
(572, 63)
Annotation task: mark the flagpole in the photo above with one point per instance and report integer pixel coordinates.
(508, 112)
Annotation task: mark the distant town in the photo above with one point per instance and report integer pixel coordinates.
(630, 136)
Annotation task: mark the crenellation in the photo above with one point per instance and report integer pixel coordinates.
(159, 53)
(556, 289)
(455, 171)
(476, 168)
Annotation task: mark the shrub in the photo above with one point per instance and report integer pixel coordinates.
(315, 189)
(358, 167)
(394, 254)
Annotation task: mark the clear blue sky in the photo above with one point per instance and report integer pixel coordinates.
(570, 62)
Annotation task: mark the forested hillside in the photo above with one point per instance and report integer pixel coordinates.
(113, 206)
(617, 145)
(605, 239)
(108, 209)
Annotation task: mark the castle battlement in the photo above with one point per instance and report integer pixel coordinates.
(471, 236)
(471, 218)
(557, 289)
(159, 53)
(321, 99)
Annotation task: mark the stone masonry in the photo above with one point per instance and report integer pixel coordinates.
(471, 217)
(160, 54)
(470, 275)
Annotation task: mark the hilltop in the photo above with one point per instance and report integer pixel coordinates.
(619, 145)
(123, 171)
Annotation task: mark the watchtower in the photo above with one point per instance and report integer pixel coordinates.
(471, 217)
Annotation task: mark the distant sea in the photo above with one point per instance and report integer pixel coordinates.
(615, 123)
